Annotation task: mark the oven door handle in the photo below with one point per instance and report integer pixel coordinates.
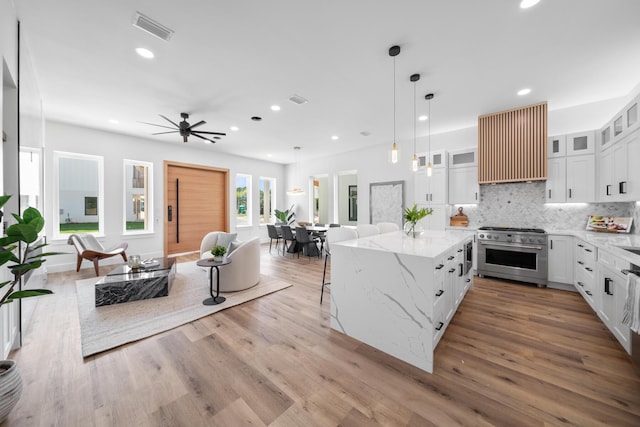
(509, 245)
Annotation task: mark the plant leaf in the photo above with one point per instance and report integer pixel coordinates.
(29, 293)
(17, 218)
(30, 214)
(5, 241)
(24, 232)
(22, 268)
(3, 200)
(3, 284)
(44, 254)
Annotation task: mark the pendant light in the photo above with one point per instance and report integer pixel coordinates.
(393, 52)
(429, 97)
(296, 191)
(414, 162)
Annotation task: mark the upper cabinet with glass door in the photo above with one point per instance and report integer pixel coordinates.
(463, 158)
(622, 124)
(438, 159)
(557, 146)
(581, 143)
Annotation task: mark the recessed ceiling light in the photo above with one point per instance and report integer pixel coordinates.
(145, 53)
(234, 128)
(334, 137)
(526, 4)
(365, 133)
(423, 118)
(525, 91)
(269, 155)
(275, 108)
(113, 121)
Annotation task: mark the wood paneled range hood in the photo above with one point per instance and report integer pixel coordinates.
(512, 145)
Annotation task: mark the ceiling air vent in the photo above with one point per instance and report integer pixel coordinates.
(152, 27)
(365, 133)
(297, 99)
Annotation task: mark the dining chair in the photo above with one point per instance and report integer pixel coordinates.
(334, 235)
(365, 230)
(287, 236)
(308, 242)
(273, 234)
(387, 227)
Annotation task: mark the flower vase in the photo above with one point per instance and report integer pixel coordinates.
(10, 387)
(412, 229)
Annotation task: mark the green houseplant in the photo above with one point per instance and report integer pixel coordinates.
(411, 218)
(25, 232)
(218, 252)
(281, 216)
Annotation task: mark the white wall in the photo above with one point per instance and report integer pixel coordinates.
(115, 148)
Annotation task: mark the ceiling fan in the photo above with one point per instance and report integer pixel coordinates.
(185, 129)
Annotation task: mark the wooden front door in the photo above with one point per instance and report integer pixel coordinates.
(196, 202)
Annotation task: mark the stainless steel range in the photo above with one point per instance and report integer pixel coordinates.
(513, 253)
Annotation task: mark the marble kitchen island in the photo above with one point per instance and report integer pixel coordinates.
(397, 293)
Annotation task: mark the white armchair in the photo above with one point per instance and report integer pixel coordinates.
(244, 270)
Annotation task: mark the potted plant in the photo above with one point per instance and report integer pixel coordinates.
(411, 217)
(281, 216)
(218, 252)
(25, 232)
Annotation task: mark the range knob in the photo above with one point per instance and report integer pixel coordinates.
(540, 240)
(496, 237)
(481, 236)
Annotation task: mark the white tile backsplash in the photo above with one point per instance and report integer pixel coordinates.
(522, 205)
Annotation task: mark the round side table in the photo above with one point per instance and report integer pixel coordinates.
(215, 299)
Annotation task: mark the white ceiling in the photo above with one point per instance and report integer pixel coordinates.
(230, 60)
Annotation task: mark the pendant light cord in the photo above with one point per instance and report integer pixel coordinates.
(414, 118)
(394, 99)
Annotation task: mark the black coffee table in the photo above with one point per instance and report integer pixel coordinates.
(217, 299)
(125, 284)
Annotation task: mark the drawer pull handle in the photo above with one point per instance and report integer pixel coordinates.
(588, 269)
(440, 325)
(607, 285)
(588, 250)
(439, 293)
(580, 262)
(439, 266)
(588, 293)
(580, 284)
(450, 258)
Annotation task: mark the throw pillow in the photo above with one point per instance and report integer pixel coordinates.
(234, 245)
(225, 239)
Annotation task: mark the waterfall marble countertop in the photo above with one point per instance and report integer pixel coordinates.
(431, 244)
(611, 242)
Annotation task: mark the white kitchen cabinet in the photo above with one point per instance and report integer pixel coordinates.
(560, 265)
(463, 158)
(626, 174)
(605, 176)
(612, 287)
(581, 179)
(463, 185)
(438, 159)
(557, 146)
(556, 184)
(437, 220)
(431, 189)
(584, 273)
(571, 179)
(581, 143)
(605, 137)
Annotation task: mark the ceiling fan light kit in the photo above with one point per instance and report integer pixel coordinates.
(186, 130)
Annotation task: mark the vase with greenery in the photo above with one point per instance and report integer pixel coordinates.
(24, 232)
(218, 252)
(411, 217)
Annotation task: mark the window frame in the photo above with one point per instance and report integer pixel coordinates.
(57, 156)
(148, 201)
(273, 201)
(248, 209)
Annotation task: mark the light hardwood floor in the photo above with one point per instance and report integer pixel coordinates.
(513, 356)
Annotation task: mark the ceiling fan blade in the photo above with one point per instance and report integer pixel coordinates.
(153, 124)
(176, 125)
(202, 137)
(162, 133)
(201, 122)
(209, 133)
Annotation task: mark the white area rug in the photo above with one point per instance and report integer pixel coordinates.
(106, 327)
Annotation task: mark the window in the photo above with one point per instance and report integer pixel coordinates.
(243, 200)
(138, 207)
(79, 196)
(267, 200)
